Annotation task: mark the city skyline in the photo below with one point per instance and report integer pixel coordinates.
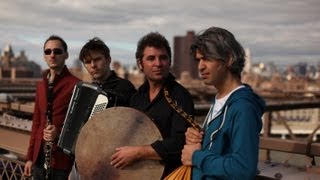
(278, 31)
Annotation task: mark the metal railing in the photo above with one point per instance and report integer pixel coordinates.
(293, 145)
(11, 169)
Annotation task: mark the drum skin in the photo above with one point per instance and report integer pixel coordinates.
(111, 128)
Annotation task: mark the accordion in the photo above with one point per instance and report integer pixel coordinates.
(86, 100)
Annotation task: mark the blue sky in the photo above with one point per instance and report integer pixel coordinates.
(283, 31)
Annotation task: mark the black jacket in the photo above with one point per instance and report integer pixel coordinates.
(120, 90)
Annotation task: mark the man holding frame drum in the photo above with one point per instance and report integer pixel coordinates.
(153, 57)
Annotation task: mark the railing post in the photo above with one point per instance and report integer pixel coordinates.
(265, 154)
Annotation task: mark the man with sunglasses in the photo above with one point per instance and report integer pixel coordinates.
(51, 104)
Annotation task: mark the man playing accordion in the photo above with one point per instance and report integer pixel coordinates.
(95, 56)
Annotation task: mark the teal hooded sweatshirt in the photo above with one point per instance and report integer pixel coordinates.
(230, 146)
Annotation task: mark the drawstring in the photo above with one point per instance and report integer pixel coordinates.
(222, 123)
(204, 124)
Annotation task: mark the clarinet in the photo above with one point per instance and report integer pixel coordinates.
(48, 144)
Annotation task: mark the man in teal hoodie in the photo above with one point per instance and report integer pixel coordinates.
(228, 145)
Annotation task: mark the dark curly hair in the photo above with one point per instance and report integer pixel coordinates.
(152, 39)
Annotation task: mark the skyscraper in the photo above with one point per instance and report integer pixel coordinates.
(182, 61)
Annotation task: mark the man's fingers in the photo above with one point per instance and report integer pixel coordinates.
(115, 160)
(118, 163)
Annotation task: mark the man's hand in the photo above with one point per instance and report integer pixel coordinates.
(50, 133)
(187, 153)
(125, 156)
(193, 136)
(28, 168)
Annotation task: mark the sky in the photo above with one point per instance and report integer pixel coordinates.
(279, 31)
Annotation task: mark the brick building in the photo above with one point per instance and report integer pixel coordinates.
(182, 61)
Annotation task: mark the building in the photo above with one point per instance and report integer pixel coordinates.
(182, 61)
(12, 66)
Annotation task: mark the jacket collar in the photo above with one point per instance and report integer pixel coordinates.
(58, 77)
(113, 77)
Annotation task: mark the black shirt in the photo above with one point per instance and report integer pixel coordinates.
(119, 90)
(171, 125)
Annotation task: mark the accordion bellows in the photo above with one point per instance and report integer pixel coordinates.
(87, 99)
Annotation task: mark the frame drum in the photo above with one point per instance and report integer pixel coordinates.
(111, 128)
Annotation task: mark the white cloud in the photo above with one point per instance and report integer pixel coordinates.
(272, 29)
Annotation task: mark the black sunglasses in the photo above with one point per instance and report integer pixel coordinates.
(56, 51)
